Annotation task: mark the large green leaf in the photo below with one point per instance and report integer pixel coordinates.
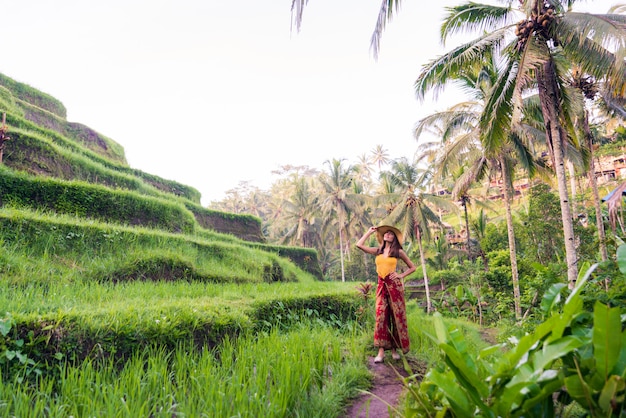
(554, 351)
(578, 388)
(613, 389)
(458, 399)
(519, 353)
(473, 384)
(620, 366)
(510, 398)
(551, 298)
(580, 283)
(440, 328)
(541, 404)
(457, 340)
(607, 345)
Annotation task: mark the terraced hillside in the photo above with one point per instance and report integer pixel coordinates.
(98, 259)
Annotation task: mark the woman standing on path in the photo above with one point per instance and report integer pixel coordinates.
(391, 330)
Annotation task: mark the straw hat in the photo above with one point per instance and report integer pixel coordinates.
(380, 231)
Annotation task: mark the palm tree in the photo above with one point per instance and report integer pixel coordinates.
(337, 201)
(300, 211)
(530, 51)
(380, 156)
(464, 156)
(410, 212)
(588, 88)
(363, 172)
(529, 60)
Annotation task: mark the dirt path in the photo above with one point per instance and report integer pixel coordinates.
(386, 389)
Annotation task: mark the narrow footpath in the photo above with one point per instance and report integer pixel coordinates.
(387, 387)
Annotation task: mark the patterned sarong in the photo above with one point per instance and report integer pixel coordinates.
(391, 329)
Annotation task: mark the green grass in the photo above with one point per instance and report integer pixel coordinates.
(74, 250)
(310, 371)
(93, 298)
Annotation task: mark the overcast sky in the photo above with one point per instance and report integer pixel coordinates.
(212, 93)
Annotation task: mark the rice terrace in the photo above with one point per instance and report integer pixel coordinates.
(121, 295)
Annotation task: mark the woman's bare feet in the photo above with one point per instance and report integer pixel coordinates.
(381, 356)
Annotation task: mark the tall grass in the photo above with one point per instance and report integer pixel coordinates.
(310, 372)
(93, 248)
(221, 257)
(93, 297)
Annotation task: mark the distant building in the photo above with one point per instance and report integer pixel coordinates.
(609, 168)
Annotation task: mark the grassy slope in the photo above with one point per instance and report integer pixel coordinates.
(78, 241)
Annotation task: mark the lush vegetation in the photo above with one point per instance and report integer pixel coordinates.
(122, 296)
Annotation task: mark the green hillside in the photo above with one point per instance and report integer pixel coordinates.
(94, 253)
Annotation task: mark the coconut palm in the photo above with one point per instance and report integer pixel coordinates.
(410, 211)
(545, 33)
(589, 89)
(300, 212)
(530, 52)
(337, 201)
(380, 156)
(463, 155)
(363, 172)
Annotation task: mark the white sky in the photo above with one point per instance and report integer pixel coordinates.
(211, 93)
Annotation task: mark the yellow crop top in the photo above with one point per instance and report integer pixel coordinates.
(385, 265)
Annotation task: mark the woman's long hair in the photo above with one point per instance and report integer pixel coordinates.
(394, 247)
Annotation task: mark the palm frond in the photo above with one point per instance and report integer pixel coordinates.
(447, 123)
(438, 72)
(596, 43)
(614, 203)
(297, 8)
(477, 171)
(474, 17)
(385, 14)
(524, 156)
(617, 9)
(606, 30)
(464, 148)
(615, 106)
(533, 55)
(496, 117)
(533, 116)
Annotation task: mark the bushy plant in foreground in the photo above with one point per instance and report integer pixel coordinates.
(575, 356)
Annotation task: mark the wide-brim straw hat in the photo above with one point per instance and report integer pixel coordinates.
(380, 231)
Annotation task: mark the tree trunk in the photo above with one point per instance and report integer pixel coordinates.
(511, 235)
(572, 186)
(343, 272)
(467, 232)
(550, 107)
(594, 188)
(423, 262)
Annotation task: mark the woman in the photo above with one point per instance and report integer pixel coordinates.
(391, 329)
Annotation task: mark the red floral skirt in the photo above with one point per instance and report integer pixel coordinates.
(391, 329)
